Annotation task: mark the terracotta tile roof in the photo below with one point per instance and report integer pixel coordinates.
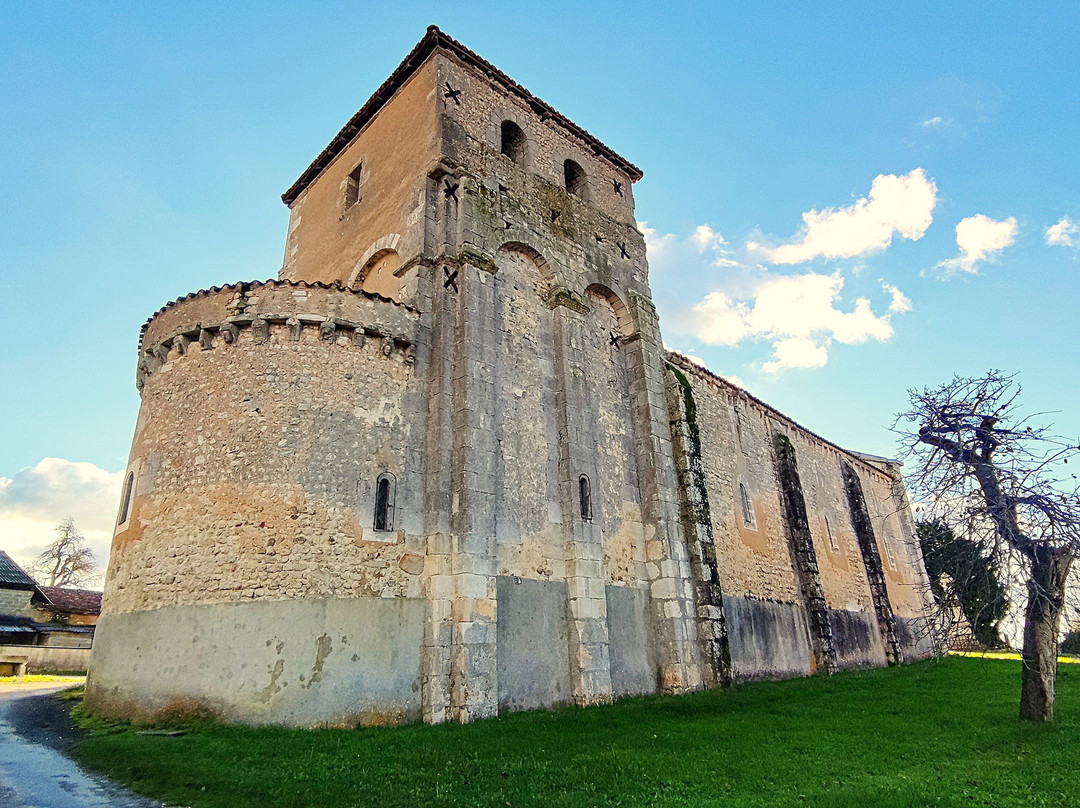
(71, 601)
(12, 575)
(432, 41)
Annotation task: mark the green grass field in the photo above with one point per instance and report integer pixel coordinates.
(934, 733)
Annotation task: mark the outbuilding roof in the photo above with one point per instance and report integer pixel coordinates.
(433, 40)
(71, 601)
(12, 575)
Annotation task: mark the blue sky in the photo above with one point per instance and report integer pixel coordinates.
(806, 168)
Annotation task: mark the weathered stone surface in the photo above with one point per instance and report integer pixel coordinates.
(738, 446)
(451, 411)
(533, 667)
(769, 639)
(633, 661)
(299, 662)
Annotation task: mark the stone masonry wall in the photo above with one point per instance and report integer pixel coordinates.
(738, 438)
(545, 365)
(257, 450)
(894, 528)
(474, 126)
(15, 601)
(528, 203)
(843, 579)
(326, 239)
(518, 354)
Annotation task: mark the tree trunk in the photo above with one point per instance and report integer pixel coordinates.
(1046, 594)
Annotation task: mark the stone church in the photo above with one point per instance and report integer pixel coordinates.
(442, 467)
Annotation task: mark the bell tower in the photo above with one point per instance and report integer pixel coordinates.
(550, 509)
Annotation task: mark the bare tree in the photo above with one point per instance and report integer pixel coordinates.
(67, 561)
(1004, 483)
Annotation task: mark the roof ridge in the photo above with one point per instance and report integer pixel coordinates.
(685, 363)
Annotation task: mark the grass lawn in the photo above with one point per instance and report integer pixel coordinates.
(934, 733)
(43, 678)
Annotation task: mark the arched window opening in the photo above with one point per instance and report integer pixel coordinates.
(379, 275)
(384, 502)
(352, 186)
(749, 518)
(513, 142)
(125, 498)
(832, 536)
(585, 498)
(574, 179)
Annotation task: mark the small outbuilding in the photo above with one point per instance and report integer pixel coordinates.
(43, 628)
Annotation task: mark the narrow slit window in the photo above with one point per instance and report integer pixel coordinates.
(352, 187)
(832, 536)
(585, 497)
(739, 433)
(384, 502)
(125, 498)
(574, 179)
(888, 553)
(513, 142)
(749, 518)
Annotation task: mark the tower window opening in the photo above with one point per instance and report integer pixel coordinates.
(352, 186)
(513, 142)
(574, 179)
(384, 502)
(585, 498)
(125, 498)
(749, 518)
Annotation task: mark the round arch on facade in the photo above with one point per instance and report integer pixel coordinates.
(622, 313)
(533, 255)
(379, 249)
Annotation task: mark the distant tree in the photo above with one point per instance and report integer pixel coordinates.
(1070, 646)
(1006, 482)
(67, 561)
(962, 575)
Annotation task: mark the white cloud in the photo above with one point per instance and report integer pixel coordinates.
(655, 245)
(796, 352)
(799, 314)
(719, 320)
(978, 238)
(1061, 234)
(34, 500)
(937, 120)
(726, 262)
(900, 302)
(705, 237)
(897, 205)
